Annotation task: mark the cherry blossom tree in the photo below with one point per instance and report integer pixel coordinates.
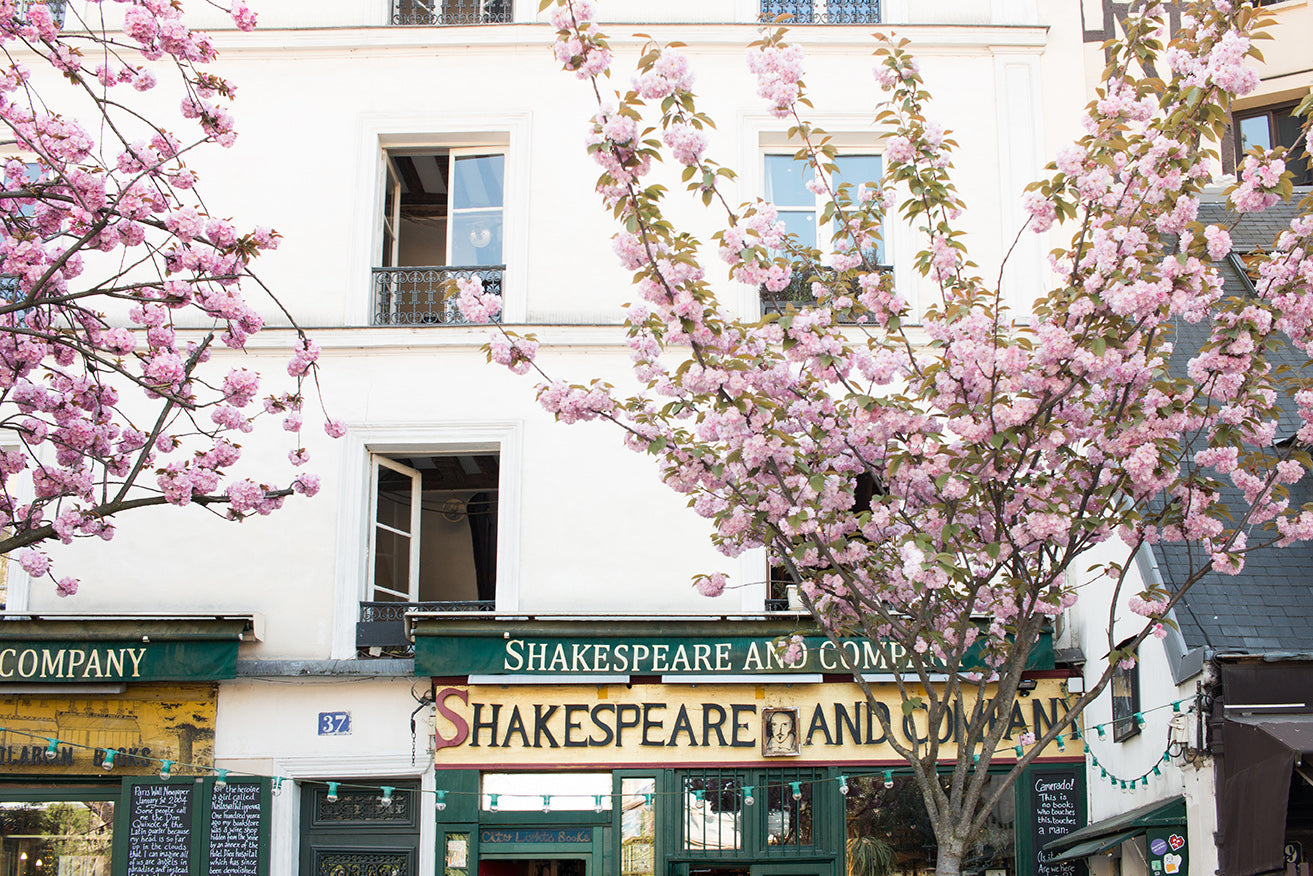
(116, 282)
(936, 488)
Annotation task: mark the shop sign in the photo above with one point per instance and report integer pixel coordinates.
(1169, 854)
(536, 835)
(607, 725)
(144, 725)
(59, 661)
(619, 652)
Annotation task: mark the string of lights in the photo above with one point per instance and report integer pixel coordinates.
(386, 794)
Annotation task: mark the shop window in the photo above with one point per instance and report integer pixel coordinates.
(888, 830)
(1269, 127)
(547, 792)
(442, 219)
(713, 811)
(638, 826)
(802, 212)
(63, 837)
(789, 807)
(730, 811)
(1125, 701)
(822, 11)
(356, 833)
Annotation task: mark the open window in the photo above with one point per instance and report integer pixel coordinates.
(442, 218)
(432, 540)
(800, 209)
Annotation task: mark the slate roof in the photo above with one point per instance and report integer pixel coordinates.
(1268, 607)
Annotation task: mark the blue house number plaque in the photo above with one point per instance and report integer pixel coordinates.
(334, 723)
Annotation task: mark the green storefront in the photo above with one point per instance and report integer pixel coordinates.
(643, 748)
(94, 710)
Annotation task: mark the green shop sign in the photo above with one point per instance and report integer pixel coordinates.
(705, 648)
(63, 651)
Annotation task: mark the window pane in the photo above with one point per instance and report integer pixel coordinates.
(713, 811)
(789, 807)
(1254, 131)
(638, 827)
(857, 169)
(457, 860)
(800, 225)
(889, 831)
(477, 181)
(476, 237)
(786, 182)
(564, 791)
(67, 838)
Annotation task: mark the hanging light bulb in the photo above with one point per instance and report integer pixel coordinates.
(748, 799)
(332, 792)
(547, 802)
(386, 799)
(277, 785)
(796, 788)
(166, 770)
(52, 750)
(597, 803)
(108, 763)
(442, 801)
(220, 778)
(843, 785)
(492, 802)
(888, 778)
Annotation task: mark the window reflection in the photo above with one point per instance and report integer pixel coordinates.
(889, 832)
(63, 838)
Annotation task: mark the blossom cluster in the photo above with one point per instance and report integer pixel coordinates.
(118, 185)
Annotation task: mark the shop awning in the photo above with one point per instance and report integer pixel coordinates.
(1093, 847)
(1260, 752)
(1096, 838)
(62, 649)
(448, 644)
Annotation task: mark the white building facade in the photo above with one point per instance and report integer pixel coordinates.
(394, 147)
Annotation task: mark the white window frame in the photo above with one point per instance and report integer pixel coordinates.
(360, 447)
(378, 461)
(378, 134)
(824, 235)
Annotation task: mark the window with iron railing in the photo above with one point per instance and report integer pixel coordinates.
(821, 11)
(442, 220)
(451, 12)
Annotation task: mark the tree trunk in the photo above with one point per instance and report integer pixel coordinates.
(948, 860)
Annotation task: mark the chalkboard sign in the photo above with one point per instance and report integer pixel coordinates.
(1057, 802)
(160, 829)
(235, 829)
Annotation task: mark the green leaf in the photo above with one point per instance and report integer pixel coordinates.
(911, 704)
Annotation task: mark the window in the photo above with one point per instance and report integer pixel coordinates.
(889, 831)
(451, 11)
(822, 11)
(432, 541)
(1270, 127)
(801, 210)
(1126, 702)
(442, 218)
(730, 811)
(72, 836)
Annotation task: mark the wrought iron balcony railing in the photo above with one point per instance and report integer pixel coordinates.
(798, 293)
(56, 8)
(418, 295)
(382, 625)
(822, 11)
(452, 12)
